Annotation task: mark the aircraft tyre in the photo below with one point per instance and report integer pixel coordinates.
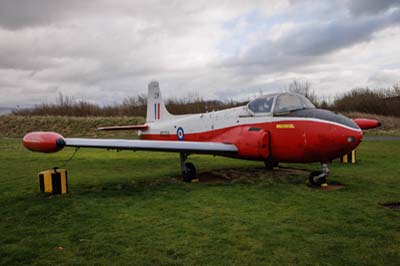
(317, 178)
(270, 165)
(189, 173)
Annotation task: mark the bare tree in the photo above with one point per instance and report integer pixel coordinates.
(303, 88)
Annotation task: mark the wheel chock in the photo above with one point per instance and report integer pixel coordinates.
(324, 185)
(195, 180)
(54, 181)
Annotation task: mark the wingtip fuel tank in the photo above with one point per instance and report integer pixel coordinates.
(46, 142)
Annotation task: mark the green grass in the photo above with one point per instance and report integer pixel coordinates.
(129, 208)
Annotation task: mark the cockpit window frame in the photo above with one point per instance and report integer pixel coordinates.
(275, 113)
(270, 113)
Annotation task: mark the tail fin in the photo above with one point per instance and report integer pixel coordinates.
(156, 110)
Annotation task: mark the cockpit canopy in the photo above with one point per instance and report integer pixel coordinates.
(261, 105)
(280, 104)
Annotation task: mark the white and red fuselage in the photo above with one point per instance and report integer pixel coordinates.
(279, 139)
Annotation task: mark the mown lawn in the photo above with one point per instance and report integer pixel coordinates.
(128, 208)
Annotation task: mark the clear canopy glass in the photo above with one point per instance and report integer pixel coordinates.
(279, 104)
(291, 102)
(261, 105)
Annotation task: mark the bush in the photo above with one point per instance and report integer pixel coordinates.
(365, 100)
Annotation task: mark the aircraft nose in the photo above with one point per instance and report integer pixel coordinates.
(353, 139)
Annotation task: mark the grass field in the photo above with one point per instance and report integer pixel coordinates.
(129, 208)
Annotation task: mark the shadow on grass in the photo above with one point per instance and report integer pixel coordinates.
(220, 177)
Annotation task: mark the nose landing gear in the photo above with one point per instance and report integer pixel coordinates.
(318, 178)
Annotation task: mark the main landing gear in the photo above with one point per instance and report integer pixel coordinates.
(188, 169)
(317, 178)
(270, 165)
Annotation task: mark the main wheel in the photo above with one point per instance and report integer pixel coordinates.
(190, 173)
(316, 179)
(270, 165)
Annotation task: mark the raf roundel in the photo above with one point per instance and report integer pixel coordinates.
(180, 134)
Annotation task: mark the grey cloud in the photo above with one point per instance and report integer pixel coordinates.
(173, 16)
(248, 92)
(305, 44)
(365, 7)
(15, 14)
(382, 76)
(326, 37)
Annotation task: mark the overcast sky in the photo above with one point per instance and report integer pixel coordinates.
(104, 51)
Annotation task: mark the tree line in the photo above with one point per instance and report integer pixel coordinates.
(130, 106)
(374, 101)
(381, 101)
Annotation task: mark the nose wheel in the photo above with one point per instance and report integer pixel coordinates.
(317, 178)
(188, 169)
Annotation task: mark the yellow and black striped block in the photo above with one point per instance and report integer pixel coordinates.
(349, 158)
(54, 181)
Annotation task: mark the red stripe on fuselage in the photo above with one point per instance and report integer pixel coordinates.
(307, 141)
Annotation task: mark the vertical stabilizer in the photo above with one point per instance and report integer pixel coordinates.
(156, 110)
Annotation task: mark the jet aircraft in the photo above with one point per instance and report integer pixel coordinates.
(281, 127)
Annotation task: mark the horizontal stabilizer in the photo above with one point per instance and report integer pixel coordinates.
(128, 127)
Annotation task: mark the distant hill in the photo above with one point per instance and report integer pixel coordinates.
(5, 110)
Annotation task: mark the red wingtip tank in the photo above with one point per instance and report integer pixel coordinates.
(364, 123)
(46, 142)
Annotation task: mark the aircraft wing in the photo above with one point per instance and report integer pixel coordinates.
(155, 145)
(49, 142)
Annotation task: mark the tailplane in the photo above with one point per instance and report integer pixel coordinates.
(156, 110)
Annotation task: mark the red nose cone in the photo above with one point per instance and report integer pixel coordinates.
(367, 123)
(44, 142)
